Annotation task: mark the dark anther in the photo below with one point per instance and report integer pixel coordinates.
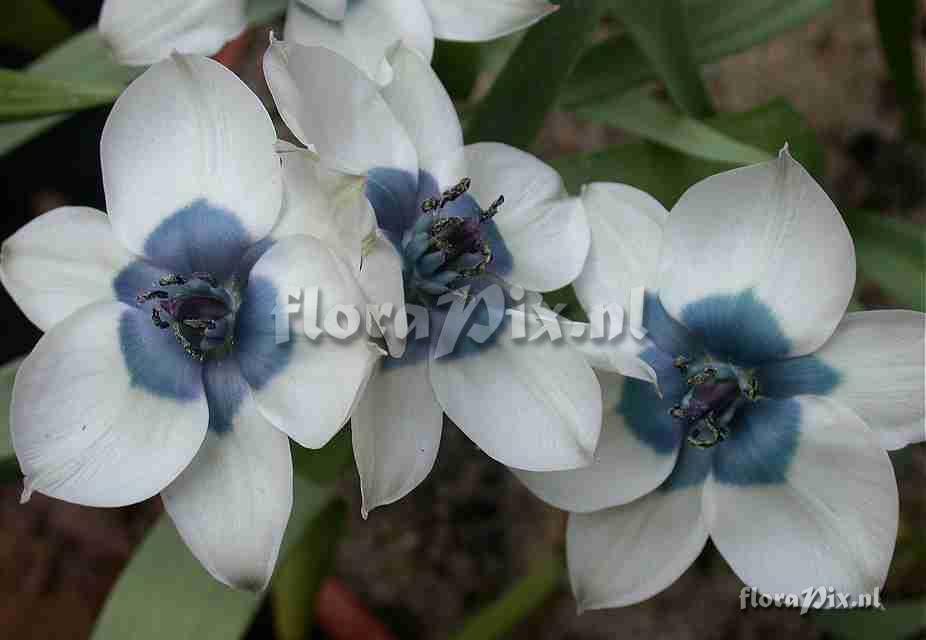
(157, 320)
(681, 363)
(706, 375)
(145, 296)
(206, 277)
(678, 412)
(451, 194)
(717, 433)
(492, 210)
(171, 279)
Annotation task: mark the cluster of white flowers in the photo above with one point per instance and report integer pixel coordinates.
(754, 410)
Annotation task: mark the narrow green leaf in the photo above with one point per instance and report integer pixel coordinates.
(896, 622)
(516, 604)
(298, 580)
(165, 593)
(24, 95)
(32, 25)
(892, 253)
(529, 85)
(717, 28)
(896, 23)
(660, 30)
(666, 173)
(639, 113)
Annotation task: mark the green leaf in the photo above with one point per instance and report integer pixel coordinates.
(891, 252)
(717, 28)
(640, 114)
(32, 25)
(165, 593)
(324, 466)
(9, 468)
(896, 622)
(666, 173)
(24, 95)
(527, 88)
(516, 604)
(896, 23)
(297, 581)
(660, 31)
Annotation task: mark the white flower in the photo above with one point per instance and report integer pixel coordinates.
(531, 406)
(159, 371)
(773, 411)
(142, 32)
(363, 30)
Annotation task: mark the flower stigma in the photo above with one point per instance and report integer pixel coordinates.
(199, 311)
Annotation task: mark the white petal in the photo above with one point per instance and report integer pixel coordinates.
(383, 284)
(533, 406)
(548, 244)
(142, 32)
(330, 104)
(188, 133)
(61, 261)
(304, 387)
(366, 32)
(396, 430)
(626, 228)
(500, 170)
(94, 421)
(621, 355)
(624, 467)
(232, 503)
(768, 233)
(473, 21)
(326, 204)
(624, 555)
(421, 104)
(328, 9)
(873, 364)
(832, 522)
(546, 233)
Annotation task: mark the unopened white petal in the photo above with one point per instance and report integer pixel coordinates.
(61, 261)
(103, 413)
(189, 135)
(141, 32)
(473, 21)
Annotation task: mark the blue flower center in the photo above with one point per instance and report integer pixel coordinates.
(197, 309)
(443, 252)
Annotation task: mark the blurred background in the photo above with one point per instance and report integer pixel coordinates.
(420, 567)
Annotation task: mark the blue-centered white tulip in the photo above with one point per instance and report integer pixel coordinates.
(142, 32)
(160, 370)
(364, 30)
(768, 429)
(531, 406)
